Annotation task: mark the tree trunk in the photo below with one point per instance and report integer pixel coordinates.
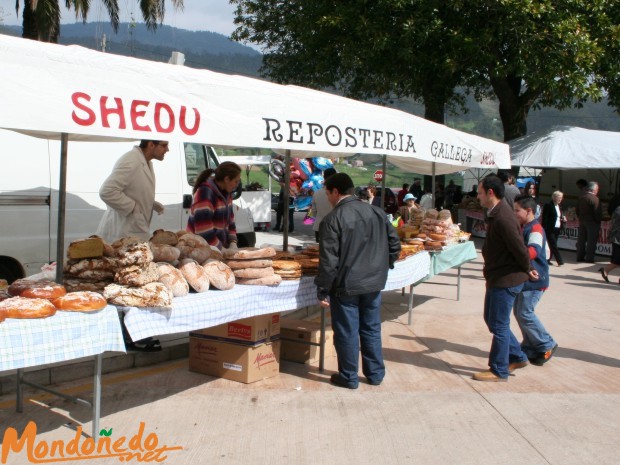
(30, 27)
(35, 27)
(513, 110)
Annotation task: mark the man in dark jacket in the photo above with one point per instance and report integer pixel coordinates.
(590, 214)
(358, 246)
(506, 266)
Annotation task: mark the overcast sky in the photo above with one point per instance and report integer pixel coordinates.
(198, 15)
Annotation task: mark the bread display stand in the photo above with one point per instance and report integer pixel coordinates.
(59, 338)
(202, 310)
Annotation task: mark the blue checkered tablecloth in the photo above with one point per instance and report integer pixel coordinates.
(64, 336)
(212, 308)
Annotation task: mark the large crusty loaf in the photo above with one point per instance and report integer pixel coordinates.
(245, 253)
(258, 263)
(165, 252)
(192, 240)
(173, 279)
(73, 284)
(220, 274)
(85, 248)
(163, 237)
(199, 253)
(75, 268)
(273, 280)
(134, 254)
(137, 275)
(195, 275)
(150, 295)
(252, 273)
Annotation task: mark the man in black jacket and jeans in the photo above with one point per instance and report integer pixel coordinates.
(358, 245)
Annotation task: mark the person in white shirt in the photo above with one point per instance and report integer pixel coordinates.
(320, 205)
(426, 202)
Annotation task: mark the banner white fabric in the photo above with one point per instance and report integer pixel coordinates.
(48, 89)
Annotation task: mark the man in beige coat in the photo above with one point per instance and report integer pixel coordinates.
(129, 193)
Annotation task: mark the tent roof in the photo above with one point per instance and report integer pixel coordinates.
(48, 89)
(567, 147)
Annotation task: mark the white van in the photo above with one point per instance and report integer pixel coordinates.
(29, 180)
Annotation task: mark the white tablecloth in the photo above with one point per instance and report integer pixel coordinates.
(211, 308)
(64, 336)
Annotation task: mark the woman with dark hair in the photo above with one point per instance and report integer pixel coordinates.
(211, 215)
(530, 189)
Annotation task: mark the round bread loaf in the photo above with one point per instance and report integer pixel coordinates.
(246, 253)
(253, 273)
(125, 241)
(220, 275)
(437, 237)
(165, 252)
(74, 285)
(291, 265)
(23, 307)
(150, 295)
(420, 236)
(163, 237)
(444, 215)
(195, 275)
(137, 275)
(432, 214)
(198, 253)
(134, 254)
(432, 245)
(216, 253)
(36, 289)
(81, 301)
(173, 279)
(192, 240)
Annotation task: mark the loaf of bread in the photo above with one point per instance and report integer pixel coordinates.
(36, 289)
(134, 254)
(150, 295)
(76, 268)
(251, 273)
(74, 285)
(24, 307)
(82, 301)
(136, 275)
(437, 237)
(85, 248)
(273, 280)
(245, 253)
(163, 237)
(195, 275)
(220, 275)
(125, 241)
(192, 240)
(258, 263)
(173, 279)
(165, 252)
(198, 253)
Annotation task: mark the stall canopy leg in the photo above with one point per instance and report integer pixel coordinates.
(62, 200)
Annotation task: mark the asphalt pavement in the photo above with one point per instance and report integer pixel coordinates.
(428, 410)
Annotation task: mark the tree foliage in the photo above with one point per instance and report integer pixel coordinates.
(41, 18)
(527, 53)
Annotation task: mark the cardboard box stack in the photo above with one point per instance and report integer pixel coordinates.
(303, 331)
(246, 350)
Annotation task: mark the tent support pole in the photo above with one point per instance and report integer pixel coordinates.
(383, 192)
(434, 187)
(62, 200)
(285, 207)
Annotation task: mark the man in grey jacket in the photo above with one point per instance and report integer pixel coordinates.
(358, 245)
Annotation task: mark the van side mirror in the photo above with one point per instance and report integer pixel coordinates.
(187, 201)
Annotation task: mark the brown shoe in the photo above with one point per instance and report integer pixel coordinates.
(516, 365)
(488, 376)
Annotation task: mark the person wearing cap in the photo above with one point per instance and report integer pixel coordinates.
(405, 210)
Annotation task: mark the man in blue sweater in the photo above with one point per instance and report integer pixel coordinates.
(537, 343)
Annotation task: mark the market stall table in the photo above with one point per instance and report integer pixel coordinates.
(212, 308)
(452, 256)
(64, 336)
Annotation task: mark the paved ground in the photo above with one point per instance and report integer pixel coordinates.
(427, 411)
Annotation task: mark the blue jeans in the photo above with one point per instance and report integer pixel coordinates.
(505, 348)
(536, 339)
(357, 319)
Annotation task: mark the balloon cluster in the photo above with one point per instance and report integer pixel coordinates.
(306, 173)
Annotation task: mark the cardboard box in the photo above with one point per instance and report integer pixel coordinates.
(307, 331)
(249, 331)
(242, 363)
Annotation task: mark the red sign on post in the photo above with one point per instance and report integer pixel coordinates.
(378, 176)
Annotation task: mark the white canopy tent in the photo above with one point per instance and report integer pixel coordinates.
(73, 93)
(567, 147)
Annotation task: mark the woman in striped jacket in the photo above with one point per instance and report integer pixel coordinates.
(211, 215)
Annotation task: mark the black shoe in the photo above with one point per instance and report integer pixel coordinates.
(336, 380)
(601, 270)
(544, 357)
(144, 345)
